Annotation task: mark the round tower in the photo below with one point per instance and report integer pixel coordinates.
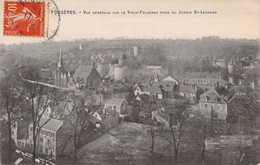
(119, 73)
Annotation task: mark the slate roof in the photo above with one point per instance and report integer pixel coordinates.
(202, 75)
(153, 90)
(144, 98)
(83, 71)
(240, 90)
(51, 125)
(169, 78)
(115, 101)
(213, 96)
(186, 88)
(167, 85)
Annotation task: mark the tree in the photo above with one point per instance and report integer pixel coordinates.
(177, 117)
(36, 98)
(243, 112)
(10, 106)
(152, 133)
(79, 122)
(198, 130)
(5, 157)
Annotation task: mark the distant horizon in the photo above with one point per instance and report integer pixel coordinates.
(128, 38)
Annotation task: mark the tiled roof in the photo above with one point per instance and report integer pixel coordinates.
(83, 71)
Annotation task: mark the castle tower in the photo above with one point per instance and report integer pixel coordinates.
(120, 69)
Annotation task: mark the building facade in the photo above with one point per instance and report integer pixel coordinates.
(47, 137)
(213, 106)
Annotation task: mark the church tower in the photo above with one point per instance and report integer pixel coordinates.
(59, 76)
(60, 63)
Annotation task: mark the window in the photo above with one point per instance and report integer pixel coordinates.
(31, 128)
(214, 114)
(49, 142)
(12, 133)
(206, 105)
(41, 139)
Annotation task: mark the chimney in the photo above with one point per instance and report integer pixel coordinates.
(94, 64)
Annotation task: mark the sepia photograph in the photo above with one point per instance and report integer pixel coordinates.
(148, 82)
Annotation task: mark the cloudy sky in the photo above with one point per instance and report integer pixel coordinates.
(234, 19)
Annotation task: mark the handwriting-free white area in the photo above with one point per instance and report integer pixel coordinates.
(234, 19)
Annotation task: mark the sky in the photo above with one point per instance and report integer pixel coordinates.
(234, 19)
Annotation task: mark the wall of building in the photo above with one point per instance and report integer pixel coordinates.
(46, 142)
(220, 109)
(110, 121)
(202, 81)
(119, 72)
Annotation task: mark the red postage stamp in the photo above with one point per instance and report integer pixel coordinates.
(24, 18)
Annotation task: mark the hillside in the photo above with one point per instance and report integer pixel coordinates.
(128, 143)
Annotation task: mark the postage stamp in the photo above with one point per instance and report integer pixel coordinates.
(26, 18)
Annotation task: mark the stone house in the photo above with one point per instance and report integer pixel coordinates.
(47, 138)
(118, 104)
(214, 103)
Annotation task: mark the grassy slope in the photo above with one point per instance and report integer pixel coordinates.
(127, 143)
